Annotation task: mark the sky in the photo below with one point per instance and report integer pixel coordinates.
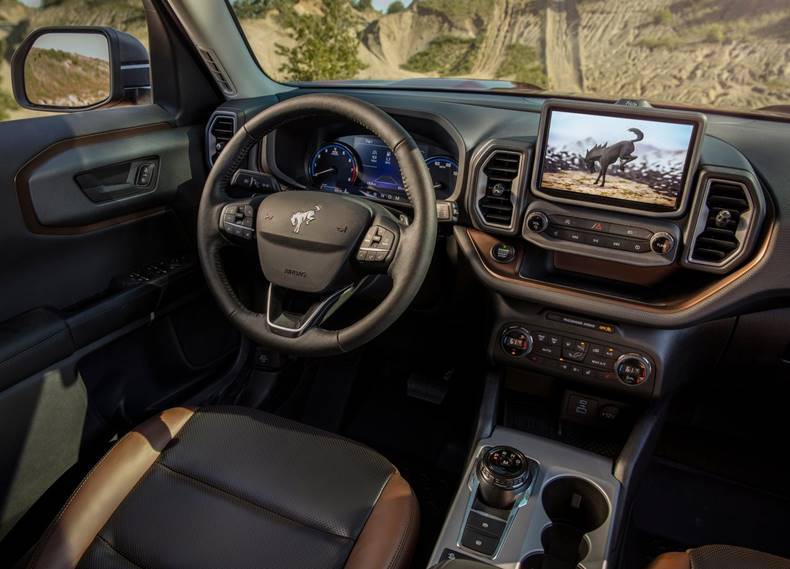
(568, 128)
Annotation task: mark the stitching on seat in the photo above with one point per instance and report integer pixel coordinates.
(249, 502)
(118, 552)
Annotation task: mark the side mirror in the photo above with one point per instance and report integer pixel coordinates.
(76, 68)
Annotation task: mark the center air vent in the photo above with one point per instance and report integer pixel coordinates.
(221, 129)
(497, 195)
(724, 223)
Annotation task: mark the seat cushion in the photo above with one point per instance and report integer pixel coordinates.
(234, 488)
(720, 557)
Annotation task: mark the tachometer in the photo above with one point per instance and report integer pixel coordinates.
(334, 167)
(444, 173)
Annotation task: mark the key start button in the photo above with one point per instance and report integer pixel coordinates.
(503, 253)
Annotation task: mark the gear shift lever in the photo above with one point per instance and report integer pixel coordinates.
(504, 475)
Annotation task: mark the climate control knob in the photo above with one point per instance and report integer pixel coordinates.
(633, 369)
(537, 222)
(516, 341)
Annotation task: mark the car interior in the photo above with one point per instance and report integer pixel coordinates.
(381, 324)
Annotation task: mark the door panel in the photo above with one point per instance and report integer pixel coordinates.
(104, 316)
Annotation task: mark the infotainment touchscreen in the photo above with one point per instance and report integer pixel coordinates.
(631, 159)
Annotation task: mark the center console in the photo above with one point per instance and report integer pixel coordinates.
(525, 498)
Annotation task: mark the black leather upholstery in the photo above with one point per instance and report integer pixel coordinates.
(239, 488)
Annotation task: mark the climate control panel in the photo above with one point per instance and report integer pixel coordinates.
(558, 353)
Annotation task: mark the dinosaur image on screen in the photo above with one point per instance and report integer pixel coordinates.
(617, 159)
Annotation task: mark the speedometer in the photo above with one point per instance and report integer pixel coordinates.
(334, 168)
(444, 173)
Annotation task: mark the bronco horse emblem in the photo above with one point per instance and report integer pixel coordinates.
(300, 218)
(607, 155)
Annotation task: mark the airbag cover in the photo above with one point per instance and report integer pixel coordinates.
(305, 238)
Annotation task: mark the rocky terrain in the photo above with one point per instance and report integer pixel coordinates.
(616, 187)
(726, 53)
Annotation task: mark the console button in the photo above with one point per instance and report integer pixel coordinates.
(565, 220)
(627, 231)
(609, 412)
(598, 240)
(479, 542)
(639, 246)
(582, 407)
(548, 351)
(601, 363)
(575, 236)
(503, 253)
(593, 225)
(574, 350)
(485, 525)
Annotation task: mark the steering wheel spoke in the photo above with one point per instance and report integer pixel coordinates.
(378, 247)
(237, 220)
(290, 316)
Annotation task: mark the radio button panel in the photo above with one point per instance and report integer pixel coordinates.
(594, 233)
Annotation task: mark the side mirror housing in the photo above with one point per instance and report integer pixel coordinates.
(77, 68)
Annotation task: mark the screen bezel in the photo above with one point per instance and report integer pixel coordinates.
(697, 120)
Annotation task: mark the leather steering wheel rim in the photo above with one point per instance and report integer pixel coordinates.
(415, 247)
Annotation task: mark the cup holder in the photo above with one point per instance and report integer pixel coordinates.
(535, 561)
(575, 507)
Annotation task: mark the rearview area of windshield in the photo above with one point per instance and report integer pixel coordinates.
(719, 53)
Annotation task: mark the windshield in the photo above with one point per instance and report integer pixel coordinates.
(721, 53)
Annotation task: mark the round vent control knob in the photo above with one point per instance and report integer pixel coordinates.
(662, 243)
(537, 221)
(633, 369)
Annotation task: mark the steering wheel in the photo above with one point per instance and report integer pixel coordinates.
(316, 248)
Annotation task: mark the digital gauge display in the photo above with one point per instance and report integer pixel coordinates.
(365, 166)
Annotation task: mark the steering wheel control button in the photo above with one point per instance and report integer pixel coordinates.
(516, 341)
(238, 220)
(537, 222)
(376, 245)
(503, 253)
(254, 181)
(633, 369)
(662, 243)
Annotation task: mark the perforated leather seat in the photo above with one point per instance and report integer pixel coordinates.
(720, 557)
(234, 488)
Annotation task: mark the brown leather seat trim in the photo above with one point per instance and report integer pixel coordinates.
(388, 538)
(104, 488)
(672, 561)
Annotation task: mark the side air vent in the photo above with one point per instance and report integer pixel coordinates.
(497, 192)
(217, 71)
(728, 215)
(221, 129)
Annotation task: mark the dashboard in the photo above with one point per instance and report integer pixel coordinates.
(627, 264)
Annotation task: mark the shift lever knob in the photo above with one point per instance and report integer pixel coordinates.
(504, 475)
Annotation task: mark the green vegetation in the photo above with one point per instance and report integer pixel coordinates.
(714, 33)
(7, 104)
(325, 47)
(395, 7)
(446, 55)
(363, 5)
(664, 17)
(249, 9)
(659, 42)
(459, 11)
(59, 78)
(523, 65)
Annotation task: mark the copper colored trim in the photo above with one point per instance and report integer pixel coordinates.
(672, 306)
(672, 561)
(22, 178)
(104, 488)
(389, 536)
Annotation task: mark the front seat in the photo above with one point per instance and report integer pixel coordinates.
(720, 557)
(234, 488)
